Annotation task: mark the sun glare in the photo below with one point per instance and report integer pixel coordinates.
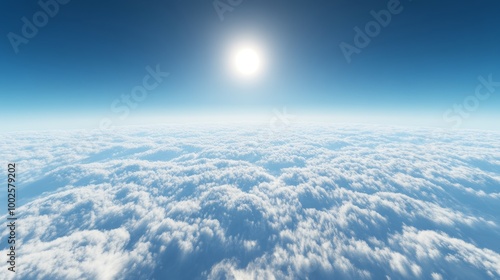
(247, 61)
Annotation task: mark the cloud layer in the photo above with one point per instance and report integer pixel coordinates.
(313, 202)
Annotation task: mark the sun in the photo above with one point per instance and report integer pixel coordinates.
(247, 61)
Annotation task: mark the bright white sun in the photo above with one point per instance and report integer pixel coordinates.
(247, 61)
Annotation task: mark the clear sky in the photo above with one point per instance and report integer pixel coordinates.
(84, 56)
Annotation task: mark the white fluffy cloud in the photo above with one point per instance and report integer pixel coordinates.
(211, 202)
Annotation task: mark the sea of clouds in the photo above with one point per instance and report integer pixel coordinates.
(238, 202)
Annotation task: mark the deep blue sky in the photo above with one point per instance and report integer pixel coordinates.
(91, 52)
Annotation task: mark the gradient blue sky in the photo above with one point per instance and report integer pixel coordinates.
(91, 52)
